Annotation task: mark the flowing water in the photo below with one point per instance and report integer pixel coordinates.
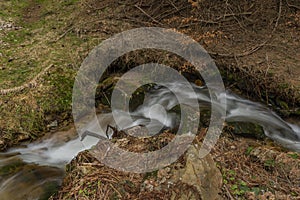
(35, 170)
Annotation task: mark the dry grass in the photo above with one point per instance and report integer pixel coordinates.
(255, 44)
(257, 170)
(89, 179)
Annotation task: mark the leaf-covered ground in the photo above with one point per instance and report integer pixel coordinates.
(255, 44)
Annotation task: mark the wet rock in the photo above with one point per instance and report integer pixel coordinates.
(246, 129)
(60, 137)
(31, 182)
(188, 178)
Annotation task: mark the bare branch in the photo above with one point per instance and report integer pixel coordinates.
(148, 15)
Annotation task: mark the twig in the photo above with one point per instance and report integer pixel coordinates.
(117, 191)
(171, 2)
(93, 164)
(197, 22)
(278, 16)
(246, 53)
(237, 20)
(286, 176)
(167, 14)
(148, 15)
(64, 34)
(228, 192)
(234, 14)
(267, 59)
(136, 21)
(30, 84)
(88, 5)
(291, 5)
(266, 91)
(106, 99)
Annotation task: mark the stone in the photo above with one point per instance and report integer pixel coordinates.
(199, 173)
(53, 124)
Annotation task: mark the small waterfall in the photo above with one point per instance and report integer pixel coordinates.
(156, 113)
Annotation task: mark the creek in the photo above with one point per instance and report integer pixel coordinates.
(34, 171)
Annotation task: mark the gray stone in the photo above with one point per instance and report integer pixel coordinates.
(199, 173)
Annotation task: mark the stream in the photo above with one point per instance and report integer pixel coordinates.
(35, 171)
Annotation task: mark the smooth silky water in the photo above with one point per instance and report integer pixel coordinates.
(34, 171)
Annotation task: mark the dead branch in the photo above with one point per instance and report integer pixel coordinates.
(171, 2)
(197, 23)
(291, 5)
(64, 34)
(233, 14)
(228, 192)
(167, 14)
(278, 16)
(148, 15)
(246, 53)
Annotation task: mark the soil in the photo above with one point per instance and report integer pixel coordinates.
(32, 12)
(250, 169)
(255, 44)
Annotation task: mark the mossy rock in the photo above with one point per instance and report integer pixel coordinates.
(246, 129)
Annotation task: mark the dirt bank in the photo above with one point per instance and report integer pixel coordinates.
(256, 45)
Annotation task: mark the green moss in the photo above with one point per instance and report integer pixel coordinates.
(69, 2)
(282, 104)
(269, 163)
(50, 189)
(17, 36)
(294, 155)
(149, 175)
(13, 8)
(246, 129)
(61, 94)
(249, 150)
(11, 168)
(26, 53)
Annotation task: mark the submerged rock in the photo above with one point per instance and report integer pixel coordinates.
(29, 182)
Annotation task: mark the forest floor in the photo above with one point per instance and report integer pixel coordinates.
(255, 44)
